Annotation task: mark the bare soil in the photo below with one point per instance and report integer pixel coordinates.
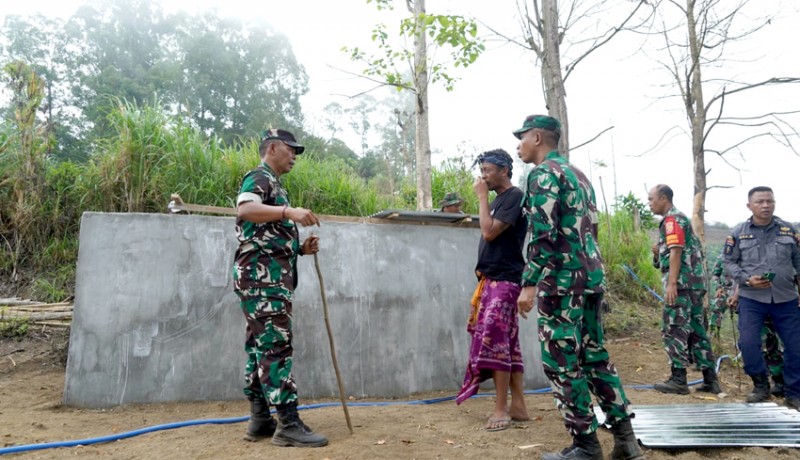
(32, 379)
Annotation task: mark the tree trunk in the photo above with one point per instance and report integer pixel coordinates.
(555, 94)
(697, 115)
(422, 137)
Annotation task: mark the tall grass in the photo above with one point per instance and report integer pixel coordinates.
(621, 245)
(151, 155)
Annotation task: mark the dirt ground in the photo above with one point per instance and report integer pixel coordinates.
(32, 380)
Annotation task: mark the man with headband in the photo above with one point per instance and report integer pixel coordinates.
(495, 352)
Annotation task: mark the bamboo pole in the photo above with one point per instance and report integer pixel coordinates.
(330, 341)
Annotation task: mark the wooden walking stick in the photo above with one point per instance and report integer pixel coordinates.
(330, 340)
(736, 345)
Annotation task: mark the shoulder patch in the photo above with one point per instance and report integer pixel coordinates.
(729, 243)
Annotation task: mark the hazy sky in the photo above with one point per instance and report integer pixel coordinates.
(617, 86)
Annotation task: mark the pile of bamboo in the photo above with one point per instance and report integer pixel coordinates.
(44, 314)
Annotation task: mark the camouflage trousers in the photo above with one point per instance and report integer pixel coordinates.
(719, 305)
(577, 363)
(684, 333)
(773, 348)
(268, 344)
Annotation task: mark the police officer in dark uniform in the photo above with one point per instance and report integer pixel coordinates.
(762, 256)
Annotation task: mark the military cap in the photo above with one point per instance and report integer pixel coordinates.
(282, 135)
(544, 122)
(450, 199)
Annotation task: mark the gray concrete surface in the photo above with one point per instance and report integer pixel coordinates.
(156, 319)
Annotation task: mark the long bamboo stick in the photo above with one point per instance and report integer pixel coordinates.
(330, 341)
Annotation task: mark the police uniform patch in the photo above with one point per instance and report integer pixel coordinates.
(729, 243)
(797, 237)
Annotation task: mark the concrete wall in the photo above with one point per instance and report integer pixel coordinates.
(156, 319)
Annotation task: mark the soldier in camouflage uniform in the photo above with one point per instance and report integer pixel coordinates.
(680, 256)
(720, 303)
(264, 278)
(564, 274)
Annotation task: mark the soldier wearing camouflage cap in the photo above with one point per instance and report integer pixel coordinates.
(564, 275)
(451, 203)
(264, 278)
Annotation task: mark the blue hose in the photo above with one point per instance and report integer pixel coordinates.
(224, 421)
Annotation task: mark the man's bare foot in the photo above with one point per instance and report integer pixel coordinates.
(519, 414)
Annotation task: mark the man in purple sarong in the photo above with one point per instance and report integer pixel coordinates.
(495, 352)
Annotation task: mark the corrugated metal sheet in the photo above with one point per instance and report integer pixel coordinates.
(468, 220)
(715, 425)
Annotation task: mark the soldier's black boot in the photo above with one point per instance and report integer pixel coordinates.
(777, 386)
(676, 384)
(760, 391)
(626, 446)
(261, 425)
(584, 447)
(710, 382)
(293, 432)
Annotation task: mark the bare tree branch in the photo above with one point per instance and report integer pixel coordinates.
(608, 35)
(661, 140)
(770, 81)
(592, 139)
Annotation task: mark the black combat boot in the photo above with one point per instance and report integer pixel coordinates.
(293, 432)
(777, 386)
(261, 424)
(792, 402)
(626, 446)
(584, 447)
(710, 383)
(760, 391)
(676, 384)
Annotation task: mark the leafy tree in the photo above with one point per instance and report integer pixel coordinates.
(40, 42)
(633, 206)
(391, 65)
(229, 78)
(238, 79)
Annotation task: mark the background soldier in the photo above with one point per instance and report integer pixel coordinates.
(723, 288)
(680, 257)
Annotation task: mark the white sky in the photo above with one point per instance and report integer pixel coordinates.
(613, 87)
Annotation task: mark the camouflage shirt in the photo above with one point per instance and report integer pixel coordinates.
(267, 255)
(563, 252)
(720, 276)
(675, 231)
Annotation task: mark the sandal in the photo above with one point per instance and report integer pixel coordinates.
(497, 424)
